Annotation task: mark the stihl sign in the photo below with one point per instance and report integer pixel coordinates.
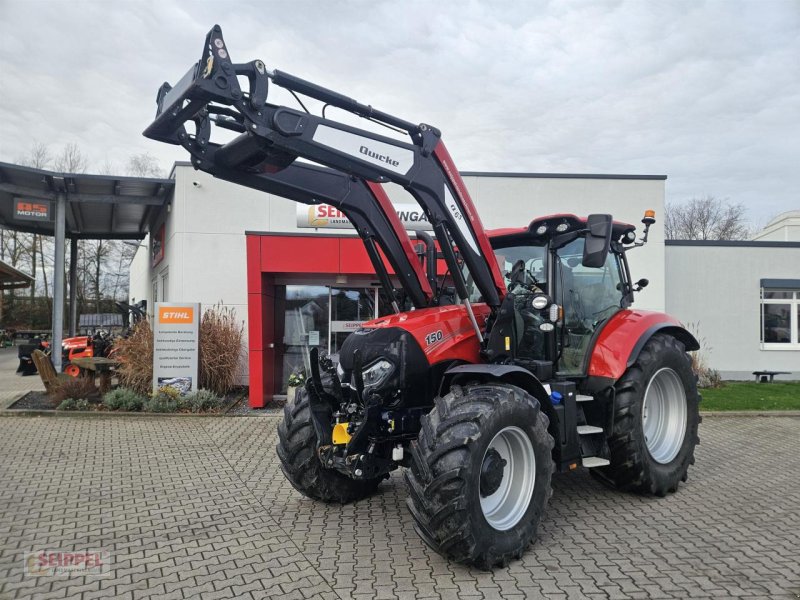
(28, 210)
(175, 314)
(176, 345)
(325, 216)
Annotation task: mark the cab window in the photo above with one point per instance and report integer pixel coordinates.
(589, 297)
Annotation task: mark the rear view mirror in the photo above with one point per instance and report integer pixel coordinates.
(598, 241)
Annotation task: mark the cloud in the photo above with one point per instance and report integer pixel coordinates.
(707, 93)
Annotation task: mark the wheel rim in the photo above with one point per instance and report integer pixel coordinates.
(664, 415)
(505, 507)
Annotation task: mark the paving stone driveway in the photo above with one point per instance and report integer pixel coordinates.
(197, 507)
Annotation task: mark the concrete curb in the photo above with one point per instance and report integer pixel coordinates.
(277, 412)
(100, 414)
(14, 397)
(750, 413)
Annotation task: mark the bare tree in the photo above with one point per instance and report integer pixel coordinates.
(706, 218)
(144, 165)
(37, 157)
(71, 159)
(107, 168)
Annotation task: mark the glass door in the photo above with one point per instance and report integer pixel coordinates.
(349, 309)
(305, 326)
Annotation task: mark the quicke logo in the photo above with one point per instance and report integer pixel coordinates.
(381, 157)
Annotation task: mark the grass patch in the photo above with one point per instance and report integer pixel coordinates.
(752, 396)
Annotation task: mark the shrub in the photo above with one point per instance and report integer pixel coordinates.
(220, 353)
(77, 388)
(166, 399)
(135, 354)
(220, 349)
(123, 399)
(73, 404)
(202, 401)
(706, 376)
(161, 404)
(297, 379)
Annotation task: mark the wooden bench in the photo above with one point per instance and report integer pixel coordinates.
(761, 376)
(47, 371)
(97, 366)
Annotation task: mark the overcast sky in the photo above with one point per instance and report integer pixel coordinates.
(707, 93)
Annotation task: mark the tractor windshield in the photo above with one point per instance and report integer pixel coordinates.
(530, 272)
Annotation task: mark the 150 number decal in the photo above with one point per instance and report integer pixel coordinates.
(433, 337)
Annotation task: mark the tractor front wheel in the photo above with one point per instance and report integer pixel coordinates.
(297, 451)
(480, 476)
(655, 422)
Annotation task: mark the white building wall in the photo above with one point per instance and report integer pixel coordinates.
(716, 290)
(783, 228)
(205, 253)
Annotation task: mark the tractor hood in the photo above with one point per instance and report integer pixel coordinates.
(415, 343)
(80, 341)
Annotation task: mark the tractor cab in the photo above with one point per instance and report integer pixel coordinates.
(565, 277)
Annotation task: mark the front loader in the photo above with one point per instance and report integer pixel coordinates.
(522, 359)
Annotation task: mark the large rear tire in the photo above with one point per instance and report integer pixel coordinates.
(655, 422)
(480, 476)
(297, 451)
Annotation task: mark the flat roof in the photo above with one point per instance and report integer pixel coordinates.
(183, 163)
(733, 243)
(560, 175)
(11, 278)
(98, 206)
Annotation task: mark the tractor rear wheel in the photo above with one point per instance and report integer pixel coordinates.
(297, 451)
(655, 422)
(480, 475)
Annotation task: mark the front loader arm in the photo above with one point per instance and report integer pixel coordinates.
(365, 205)
(271, 137)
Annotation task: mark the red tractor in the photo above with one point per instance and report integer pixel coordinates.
(523, 359)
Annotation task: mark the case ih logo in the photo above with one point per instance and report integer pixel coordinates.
(32, 211)
(173, 314)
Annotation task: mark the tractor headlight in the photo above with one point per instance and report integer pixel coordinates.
(377, 373)
(540, 301)
(340, 371)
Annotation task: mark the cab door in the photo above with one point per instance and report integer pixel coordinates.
(589, 296)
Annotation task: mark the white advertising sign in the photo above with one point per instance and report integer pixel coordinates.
(346, 326)
(176, 341)
(325, 216)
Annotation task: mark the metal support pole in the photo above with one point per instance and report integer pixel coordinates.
(73, 286)
(58, 281)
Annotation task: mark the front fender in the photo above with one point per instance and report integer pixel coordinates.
(622, 339)
(512, 374)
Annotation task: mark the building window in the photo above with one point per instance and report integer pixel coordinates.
(164, 285)
(780, 314)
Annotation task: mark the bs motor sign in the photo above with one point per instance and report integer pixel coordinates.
(176, 341)
(32, 210)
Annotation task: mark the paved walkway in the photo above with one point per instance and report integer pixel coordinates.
(13, 386)
(197, 507)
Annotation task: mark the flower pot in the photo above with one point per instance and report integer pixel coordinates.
(290, 392)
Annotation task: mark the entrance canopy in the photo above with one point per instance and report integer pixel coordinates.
(77, 206)
(11, 278)
(97, 206)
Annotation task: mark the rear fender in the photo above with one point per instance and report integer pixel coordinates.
(622, 339)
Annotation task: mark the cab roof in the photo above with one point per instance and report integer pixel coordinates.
(519, 235)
